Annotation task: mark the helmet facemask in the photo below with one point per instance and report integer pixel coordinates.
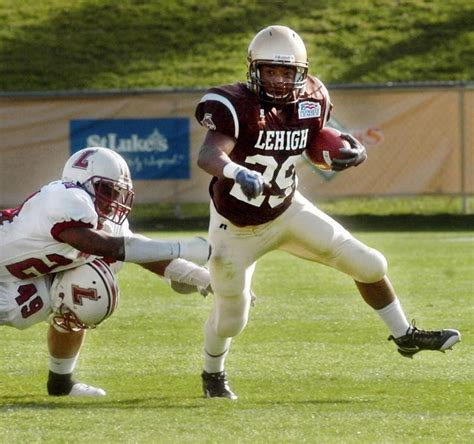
(279, 93)
(113, 200)
(65, 319)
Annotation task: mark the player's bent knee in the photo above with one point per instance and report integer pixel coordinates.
(363, 263)
(374, 267)
(230, 317)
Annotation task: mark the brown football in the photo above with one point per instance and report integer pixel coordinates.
(325, 147)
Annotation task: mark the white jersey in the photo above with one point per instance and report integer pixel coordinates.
(29, 242)
(25, 303)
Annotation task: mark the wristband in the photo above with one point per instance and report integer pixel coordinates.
(231, 169)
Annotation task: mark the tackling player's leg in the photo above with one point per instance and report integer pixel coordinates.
(64, 348)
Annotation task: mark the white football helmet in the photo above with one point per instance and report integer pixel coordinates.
(277, 45)
(105, 175)
(84, 296)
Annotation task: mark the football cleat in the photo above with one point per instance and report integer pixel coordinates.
(79, 389)
(215, 385)
(416, 340)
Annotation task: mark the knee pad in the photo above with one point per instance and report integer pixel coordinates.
(363, 263)
(229, 328)
(230, 316)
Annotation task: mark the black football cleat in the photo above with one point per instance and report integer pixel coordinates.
(416, 340)
(215, 385)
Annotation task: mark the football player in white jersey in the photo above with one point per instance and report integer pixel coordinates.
(68, 232)
(256, 133)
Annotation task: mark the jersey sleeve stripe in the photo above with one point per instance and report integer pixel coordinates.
(327, 102)
(226, 102)
(61, 226)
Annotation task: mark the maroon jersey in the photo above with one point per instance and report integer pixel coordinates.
(268, 140)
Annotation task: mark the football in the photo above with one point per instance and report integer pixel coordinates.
(325, 147)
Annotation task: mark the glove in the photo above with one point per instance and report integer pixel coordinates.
(196, 250)
(251, 183)
(352, 156)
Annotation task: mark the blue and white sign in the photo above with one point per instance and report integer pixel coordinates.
(153, 148)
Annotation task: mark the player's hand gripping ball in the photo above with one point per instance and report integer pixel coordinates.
(333, 150)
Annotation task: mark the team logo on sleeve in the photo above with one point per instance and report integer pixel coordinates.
(207, 122)
(308, 110)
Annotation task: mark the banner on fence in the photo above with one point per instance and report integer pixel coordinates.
(155, 149)
(419, 141)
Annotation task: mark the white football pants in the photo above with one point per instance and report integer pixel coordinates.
(303, 231)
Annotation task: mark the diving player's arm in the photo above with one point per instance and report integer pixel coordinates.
(134, 248)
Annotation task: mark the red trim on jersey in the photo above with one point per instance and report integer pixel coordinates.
(61, 226)
(109, 260)
(8, 215)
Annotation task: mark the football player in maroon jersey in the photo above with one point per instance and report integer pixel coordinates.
(256, 133)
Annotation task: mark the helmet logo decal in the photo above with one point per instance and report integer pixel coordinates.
(79, 293)
(83, 161)
(285, 58)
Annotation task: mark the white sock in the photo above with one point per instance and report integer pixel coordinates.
(62, 366)
(216, 349)
(394, 318)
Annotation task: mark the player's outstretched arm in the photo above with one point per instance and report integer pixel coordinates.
(135, 248)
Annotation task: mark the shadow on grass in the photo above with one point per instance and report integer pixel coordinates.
(408, 222)
(401, 222)
(28, 402)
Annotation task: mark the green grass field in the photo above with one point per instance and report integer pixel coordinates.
(312, 366)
